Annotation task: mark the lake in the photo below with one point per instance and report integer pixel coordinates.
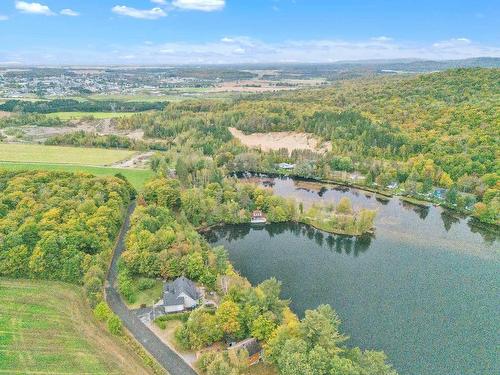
(424, 288)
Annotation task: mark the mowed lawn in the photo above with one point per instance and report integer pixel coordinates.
(137, 177)
(17, 152)
(47, 328)
(96, 115)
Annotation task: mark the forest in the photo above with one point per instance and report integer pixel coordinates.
(72, 105)
(19, 120)
(420, 133)
(60, 226)
(82, 138)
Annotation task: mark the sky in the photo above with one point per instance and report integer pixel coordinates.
(163, 32)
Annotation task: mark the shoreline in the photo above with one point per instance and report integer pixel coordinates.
(208, 228)
(419, 202)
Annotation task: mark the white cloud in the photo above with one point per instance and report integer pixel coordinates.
(34, 8)
(451, 43)
(147, 14)
(69, 12)
(161, 2)
(243, 49)
(203, 5)
(381, 39)
(3, 18)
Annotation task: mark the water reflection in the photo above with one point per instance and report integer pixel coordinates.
(339, 243)
(396, 219)
(383, 200)
(427, 287)
(449, 219)
(412, 299)
(489, 234)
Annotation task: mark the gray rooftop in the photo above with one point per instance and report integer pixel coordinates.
(173, 289)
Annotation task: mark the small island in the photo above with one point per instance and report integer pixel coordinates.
(340, 218)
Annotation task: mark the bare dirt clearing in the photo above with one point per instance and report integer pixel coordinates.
(136, 161)
(278, 140)
(35, 133)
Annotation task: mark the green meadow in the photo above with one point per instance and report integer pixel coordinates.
(48, 328)
(22, 153)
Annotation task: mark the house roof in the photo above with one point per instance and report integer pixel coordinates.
(173, 289)
(251, 345)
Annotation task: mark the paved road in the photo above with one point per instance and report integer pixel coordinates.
(161, 352)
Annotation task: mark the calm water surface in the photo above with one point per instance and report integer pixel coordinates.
(424, 288)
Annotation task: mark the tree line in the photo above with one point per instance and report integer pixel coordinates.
(72, 105)
(60, 226)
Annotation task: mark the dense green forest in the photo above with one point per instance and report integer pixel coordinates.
(82, 138)
(421, 133)
(30, 119)
(72, 105)
(60, 226)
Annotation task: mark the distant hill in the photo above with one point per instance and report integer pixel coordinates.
(364, 68)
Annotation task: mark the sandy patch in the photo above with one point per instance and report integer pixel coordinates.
(137, 161)
(100, 127)
(4, 114)
(278, 140)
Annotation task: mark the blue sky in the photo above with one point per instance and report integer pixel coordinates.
(231, 31)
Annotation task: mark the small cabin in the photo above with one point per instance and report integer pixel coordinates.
(253, 347)
(258, 217)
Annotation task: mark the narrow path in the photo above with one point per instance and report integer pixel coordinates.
(161, 352)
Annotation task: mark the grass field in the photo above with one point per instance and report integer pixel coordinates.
(47, 328)
(146, 296)
(16, 152)
(97, 115)
(137, 177)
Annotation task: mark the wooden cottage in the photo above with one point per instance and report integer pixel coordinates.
(253, 347)
(258, 217)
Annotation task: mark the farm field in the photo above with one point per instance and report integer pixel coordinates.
(137, 177)
(96, 115)
(47, 328)
(15, 152)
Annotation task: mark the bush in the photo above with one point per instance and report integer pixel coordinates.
(115, 325)
(102, 312)
(145, 284)
(162, 320)
(126, 286)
